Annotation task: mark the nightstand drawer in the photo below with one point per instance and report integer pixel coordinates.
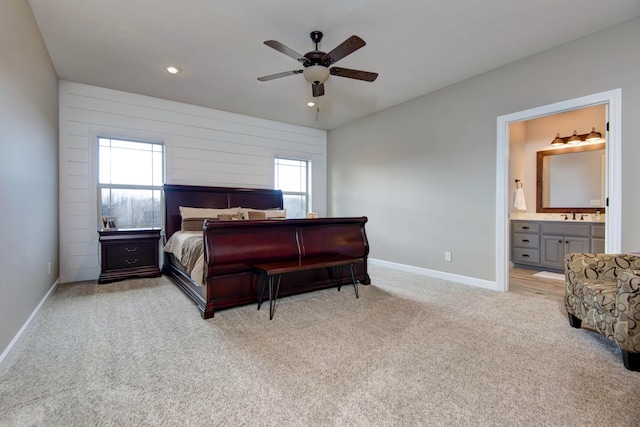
(130, 249)
(131, 261)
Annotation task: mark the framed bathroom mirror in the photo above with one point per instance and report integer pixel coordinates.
(571, 178)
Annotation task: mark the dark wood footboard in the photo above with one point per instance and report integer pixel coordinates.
(232, 248)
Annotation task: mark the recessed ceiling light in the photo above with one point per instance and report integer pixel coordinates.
(311, 103)
(172, 69)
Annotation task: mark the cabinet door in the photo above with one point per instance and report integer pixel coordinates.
(576, 245)
(552, 251)
(597, 245)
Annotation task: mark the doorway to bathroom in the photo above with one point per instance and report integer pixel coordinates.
(611, 104)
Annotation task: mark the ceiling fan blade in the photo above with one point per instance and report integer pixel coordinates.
(347, 47)
(286, 50)
(353, 74)
(278, 75)
(317, 89)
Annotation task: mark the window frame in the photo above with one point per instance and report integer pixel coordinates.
(307, 193)
(160, 188)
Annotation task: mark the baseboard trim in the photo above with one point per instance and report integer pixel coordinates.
(4, 357)
(471, 281)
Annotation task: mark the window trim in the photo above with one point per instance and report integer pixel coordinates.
(306, 193)
(99, 186)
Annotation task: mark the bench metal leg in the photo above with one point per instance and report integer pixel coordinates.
(353, 279)
(263, 282)
(273, 298)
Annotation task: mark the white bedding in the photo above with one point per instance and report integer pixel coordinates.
(181, 244)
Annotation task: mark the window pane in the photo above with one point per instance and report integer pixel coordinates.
(296, 205)
(291, 175)
(132, 208)
(158, 170)
(130, 163)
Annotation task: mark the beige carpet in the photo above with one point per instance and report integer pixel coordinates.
(411, 351)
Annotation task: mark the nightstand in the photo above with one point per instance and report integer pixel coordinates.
(129, 253)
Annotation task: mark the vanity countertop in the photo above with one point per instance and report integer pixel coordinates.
(556, 217)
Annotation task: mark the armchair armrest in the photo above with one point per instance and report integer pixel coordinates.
(627, 310)
(586, 266)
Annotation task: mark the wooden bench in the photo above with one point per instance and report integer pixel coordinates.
(272, 270)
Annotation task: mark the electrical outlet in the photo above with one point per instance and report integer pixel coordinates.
(447, 256)
(49, 269)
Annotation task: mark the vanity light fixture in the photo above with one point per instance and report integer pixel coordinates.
(593, 136)
(172, 69)
(558, 141)
(574, 139)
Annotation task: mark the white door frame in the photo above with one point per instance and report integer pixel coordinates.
(613, 224)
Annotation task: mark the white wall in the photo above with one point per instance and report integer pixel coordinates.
(28, 169)
(203, 147)
(424, 171)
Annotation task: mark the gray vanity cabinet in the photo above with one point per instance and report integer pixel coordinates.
(555, 247)
(543, 244)
(597, 239)
(559, 239)
(525, 242)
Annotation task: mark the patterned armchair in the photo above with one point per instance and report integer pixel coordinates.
(604, 291)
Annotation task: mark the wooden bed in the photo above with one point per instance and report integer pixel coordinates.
(233, 248)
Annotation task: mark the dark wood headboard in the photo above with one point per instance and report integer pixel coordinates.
(213, 197)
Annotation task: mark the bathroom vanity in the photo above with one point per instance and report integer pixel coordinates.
(541, 244)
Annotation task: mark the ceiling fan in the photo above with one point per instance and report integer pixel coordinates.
(316, 63)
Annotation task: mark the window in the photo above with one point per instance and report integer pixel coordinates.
(293, 178)
(130, 178)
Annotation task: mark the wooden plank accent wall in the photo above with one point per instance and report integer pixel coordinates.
(203, 147)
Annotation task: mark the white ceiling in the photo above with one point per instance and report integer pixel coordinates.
(416, 46)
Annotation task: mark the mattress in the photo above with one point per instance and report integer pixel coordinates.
(187, 247)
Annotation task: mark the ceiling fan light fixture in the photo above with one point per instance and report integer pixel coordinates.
(316, 73)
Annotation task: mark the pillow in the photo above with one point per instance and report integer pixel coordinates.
(192, 224)
(193, 218)
(263, 213)
(230, 217)
(276, 213)
(187, 213)
(256, 215)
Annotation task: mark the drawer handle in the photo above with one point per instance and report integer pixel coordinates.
(525, 256)
(135, 248)
(525, 240)
(134, 261)
(525, 228)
